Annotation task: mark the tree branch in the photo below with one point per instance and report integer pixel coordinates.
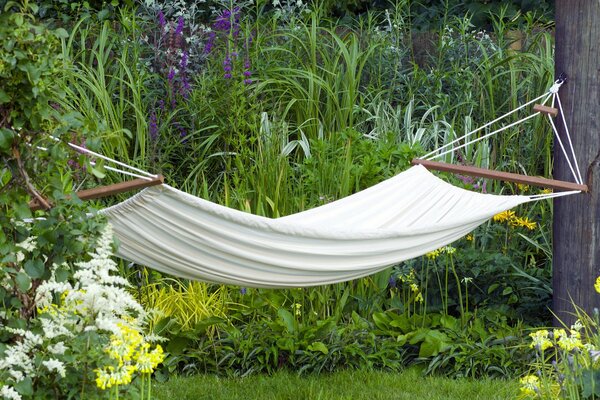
(30, 188)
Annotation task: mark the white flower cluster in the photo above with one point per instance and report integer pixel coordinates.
(96, 301)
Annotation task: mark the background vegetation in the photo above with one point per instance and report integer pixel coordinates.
(273, 108)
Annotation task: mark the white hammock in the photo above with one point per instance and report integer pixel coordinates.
(403, 217)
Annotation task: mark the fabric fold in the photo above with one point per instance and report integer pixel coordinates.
(403, 217)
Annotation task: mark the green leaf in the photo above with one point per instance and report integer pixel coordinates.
(177, 345)
(98, 172)
(590, 381)
(4, 98)
(318, 346)
(6, 138)
(5, 177)
(287, 318)
(35, 268)
(25, 387)
(18, 19)
(23, 281)
(493, 287)
(507, 290)
(61, 33)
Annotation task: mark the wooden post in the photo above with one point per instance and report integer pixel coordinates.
(576, 227)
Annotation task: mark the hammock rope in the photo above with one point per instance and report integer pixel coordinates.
(552, 95)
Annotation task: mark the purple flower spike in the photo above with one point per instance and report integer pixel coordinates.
(153, 128)
(247, 74)
(184, 60)
(171, 75)
(161, 19)
(180, 24)
(227, 76)
(248, 81)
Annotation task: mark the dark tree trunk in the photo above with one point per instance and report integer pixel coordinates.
(576, 226)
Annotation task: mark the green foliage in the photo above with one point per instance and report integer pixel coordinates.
(30, 64)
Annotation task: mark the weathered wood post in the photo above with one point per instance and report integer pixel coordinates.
(576, 226)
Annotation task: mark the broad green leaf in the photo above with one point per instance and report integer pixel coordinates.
(35, 268)
(319, 346)
(23, 281)
(4, 98)
(6, 138)
(25, 387)
(61, 33)
(287, 318)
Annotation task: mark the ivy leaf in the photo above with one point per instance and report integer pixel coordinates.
(34, 268)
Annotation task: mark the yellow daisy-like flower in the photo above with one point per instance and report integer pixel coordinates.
(522, 222)
(469, 237)
(539, 340)
(504, 216)
(530, 385)
(597, 284)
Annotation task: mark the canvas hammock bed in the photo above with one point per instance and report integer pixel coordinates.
(406, 216)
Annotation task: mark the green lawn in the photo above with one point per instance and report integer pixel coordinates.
(351, 385)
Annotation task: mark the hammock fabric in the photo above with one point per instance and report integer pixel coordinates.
(403, 217)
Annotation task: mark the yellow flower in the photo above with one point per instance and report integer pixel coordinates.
(449, 250)
(570, 342)
(469, 237)
(432, 255)
(297, 307)
(523, 222)
(148, 361)
(558, 333)
(597, 284)
(530, 385)
(504, 216)
(540, 340)
(419, 298)
(546, 191)
(110, 376)
(414, 287)
(522, 187)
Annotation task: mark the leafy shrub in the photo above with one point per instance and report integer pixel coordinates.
(85, 338)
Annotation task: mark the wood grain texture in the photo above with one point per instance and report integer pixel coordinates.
(109, 190)
(576, 225)
(500, 175)
(545, 110)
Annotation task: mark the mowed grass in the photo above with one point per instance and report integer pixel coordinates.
(346, 385)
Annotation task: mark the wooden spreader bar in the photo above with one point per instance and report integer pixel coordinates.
(109, 190)
(499, 175)
(545, 110)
